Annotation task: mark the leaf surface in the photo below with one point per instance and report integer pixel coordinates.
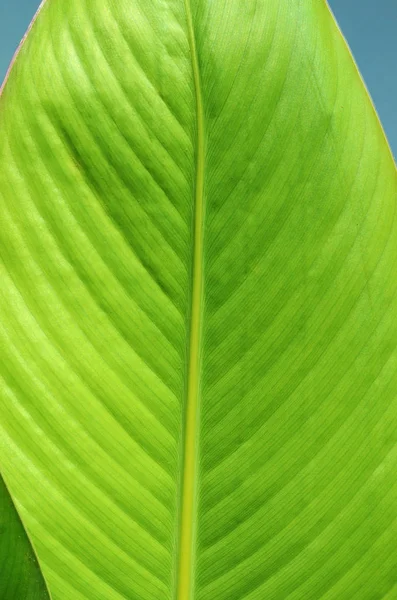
(198, 308)
(20, 575)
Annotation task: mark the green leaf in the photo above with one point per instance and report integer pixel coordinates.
(20, 575)
(198, 307)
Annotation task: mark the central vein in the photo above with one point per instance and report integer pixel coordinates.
(188, 504)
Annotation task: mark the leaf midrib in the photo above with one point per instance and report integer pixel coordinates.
(189, 469)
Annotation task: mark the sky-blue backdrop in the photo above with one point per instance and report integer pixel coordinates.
(370, 27)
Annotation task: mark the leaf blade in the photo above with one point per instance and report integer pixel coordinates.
(110, 417)
(20, 573)
(300, 304)
(297, 411)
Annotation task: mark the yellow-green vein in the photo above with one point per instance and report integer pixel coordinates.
(188, 500)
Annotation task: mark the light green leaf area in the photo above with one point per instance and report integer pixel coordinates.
(198, 306)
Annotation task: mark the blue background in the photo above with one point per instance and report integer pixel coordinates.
(370, 27)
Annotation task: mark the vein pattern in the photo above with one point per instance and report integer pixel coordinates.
(198, 308)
